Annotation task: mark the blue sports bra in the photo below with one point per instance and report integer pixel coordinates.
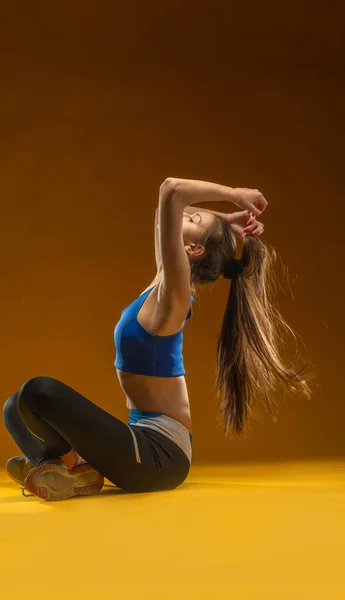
(143, 353)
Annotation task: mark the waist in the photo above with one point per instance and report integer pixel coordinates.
(167, 426)
(164, 395)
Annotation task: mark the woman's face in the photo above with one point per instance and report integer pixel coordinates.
(194, 227)
(196, 224)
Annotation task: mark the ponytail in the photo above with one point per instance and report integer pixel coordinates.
(249, 363)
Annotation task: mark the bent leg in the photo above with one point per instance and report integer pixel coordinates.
(64, 419)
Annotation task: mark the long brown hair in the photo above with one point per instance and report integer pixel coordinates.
(249, 362)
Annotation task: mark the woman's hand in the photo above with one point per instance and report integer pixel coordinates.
(251, 200)
(244, 222)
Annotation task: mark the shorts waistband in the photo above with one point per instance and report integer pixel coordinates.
(170, 428)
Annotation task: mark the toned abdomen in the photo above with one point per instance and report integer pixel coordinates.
(167, 395)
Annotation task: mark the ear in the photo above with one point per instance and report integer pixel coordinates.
(194, 250)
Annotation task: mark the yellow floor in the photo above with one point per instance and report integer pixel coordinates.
(245, 531)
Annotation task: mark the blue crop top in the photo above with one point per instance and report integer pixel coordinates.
(143, 353)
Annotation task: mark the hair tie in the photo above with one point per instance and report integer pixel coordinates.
(234, 267)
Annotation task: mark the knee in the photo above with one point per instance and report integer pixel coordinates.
(10, 409)
(35, 385)
(33, 391)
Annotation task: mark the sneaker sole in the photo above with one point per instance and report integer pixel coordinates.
(53, 482)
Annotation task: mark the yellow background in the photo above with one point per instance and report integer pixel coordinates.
(98, 105)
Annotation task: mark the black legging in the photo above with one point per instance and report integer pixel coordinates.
(47, 418)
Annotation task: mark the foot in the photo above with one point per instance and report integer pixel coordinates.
(56, 482)
(72, 459)
(18, 468)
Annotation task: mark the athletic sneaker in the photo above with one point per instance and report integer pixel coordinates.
(18, 468)
(56, 482)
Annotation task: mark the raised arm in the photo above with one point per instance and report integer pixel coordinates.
(174, 196)
(191, 191)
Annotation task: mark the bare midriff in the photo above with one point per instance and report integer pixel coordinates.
(166, 395)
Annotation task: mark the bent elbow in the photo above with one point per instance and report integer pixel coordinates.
(168, 188)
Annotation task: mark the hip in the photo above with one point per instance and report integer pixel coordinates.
(171, 429)
(161, 463)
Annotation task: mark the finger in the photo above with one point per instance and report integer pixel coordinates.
(251, 219)
(258, 230)
(261, 204)
(250, 228)
(257, 211)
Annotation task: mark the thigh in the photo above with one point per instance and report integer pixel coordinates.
(100, 438)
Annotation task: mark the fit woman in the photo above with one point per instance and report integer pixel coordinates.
(70, 444)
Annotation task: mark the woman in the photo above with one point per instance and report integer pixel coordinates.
(70, 444)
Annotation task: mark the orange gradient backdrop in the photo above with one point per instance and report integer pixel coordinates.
(100, 103)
